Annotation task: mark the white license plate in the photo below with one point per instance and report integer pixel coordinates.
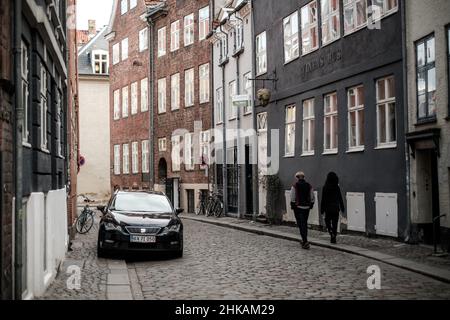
(143, 239)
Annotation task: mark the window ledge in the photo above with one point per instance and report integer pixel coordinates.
(291, 60)
(330, 152)
(26, 144)
(307, 154)
(238, 52)
(219, 123)
(45, 150)
(289, 156)
(356, 150)
(223, 62)
(248, 113)
(386, 146)
(424, 121)
(232, 119)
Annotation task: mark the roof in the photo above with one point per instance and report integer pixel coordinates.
(84, 54)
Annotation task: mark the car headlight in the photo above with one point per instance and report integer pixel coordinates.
(172, 228)
(109, 226)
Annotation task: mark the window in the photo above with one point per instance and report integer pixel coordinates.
(310, 32)
(189, 88)
(175, 91)
(262, 122)
(117, 159)
(123, 6)
(143, 39)
(59, 124)
(231, 93)
(189, 30)
(331, 24)
(100, 62)
(330, 123)
(125, 102)
(44, 109)
(134, 157)
(116, 53)
(116, 104)
(355, 15)
(175, 36)
(204, 83)
(124, 49)
(134, 98)
(426, 78)
(290, 34)
(145, 158)
(261, 54)
(203, 28)
(223, 48)
(248, 90)
(176, 159)
(144, 95)
(386, 120)
(162, 144)
(204, 146)
(126, 159)
(133, 4)
(238, 35)
(25, 93)
(289, 142)
(162, 42)
(189, 151)
(384, 7)
(162, 95)
(219, 106)
(308, 127)
(355, 98)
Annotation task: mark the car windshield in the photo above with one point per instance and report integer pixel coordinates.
(141, 202)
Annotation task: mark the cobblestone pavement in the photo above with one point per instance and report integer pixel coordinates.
(222, 263)
(417, 253)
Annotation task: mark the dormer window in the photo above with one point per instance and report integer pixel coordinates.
(99, 61)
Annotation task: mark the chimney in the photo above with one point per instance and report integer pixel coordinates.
(92, 28)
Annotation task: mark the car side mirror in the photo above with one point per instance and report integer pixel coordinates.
(101, 209)
(179, 210)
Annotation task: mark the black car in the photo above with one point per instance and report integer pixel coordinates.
(140, 221)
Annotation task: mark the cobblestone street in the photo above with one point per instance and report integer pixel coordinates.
(222, 263)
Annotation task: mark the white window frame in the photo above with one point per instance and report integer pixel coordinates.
(291, 37)
(134, 157)
(123, 6)
(126, 158)
(189, 162)
(331, 113)
(102, 62)
(116, 53)
(238, 34)
(189, 33)
(248, 90)
(133, 4)
(143, 40)
(289, 131)
(176, 158)
(162, 95)
(175, 36)
(204, 83)
(219, 106)
(329, 15)
(162, 33)
(353, 5)
(309, 28)
(144, 95)
(116, 101)
(124, 45)
(59, 123)
(261, 53)
(134, 98)
(44, 109)
(358, 109)
(175, 91)
(25, 72)
(385, 103)
(203, 24)
(309, 127)
(117, 156)
(125, 99)
(205, 148)
(162, 144)
(384, 11)
(145, 156)
(232, 91)
(189, 87)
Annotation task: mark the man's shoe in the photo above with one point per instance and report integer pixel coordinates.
(333, 239)
(306, 246)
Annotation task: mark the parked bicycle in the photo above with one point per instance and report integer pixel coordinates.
(85, 221)
(201, 210)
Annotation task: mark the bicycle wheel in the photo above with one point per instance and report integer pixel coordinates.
(219, 209)
(209, 208)
(84, 223)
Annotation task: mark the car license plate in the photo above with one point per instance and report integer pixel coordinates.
(143, 239)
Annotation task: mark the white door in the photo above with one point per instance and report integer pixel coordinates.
(356, 211)
(386, 214)
(262, 170)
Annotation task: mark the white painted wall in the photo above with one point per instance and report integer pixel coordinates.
(94, 176)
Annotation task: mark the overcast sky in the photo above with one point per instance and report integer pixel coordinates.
(99, 10)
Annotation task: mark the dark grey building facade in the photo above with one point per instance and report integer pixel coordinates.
(335, 73)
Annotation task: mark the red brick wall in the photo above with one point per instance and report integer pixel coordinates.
(6, 148)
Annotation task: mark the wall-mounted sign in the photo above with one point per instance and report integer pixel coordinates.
(323, 60)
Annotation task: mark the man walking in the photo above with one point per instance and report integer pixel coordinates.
(302, 201)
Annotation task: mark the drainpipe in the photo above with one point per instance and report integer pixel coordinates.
(18, 219)
(212, 94)
(224, 137)
(151, 72)
(408, 232)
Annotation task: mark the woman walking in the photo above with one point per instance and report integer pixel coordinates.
(331, 204)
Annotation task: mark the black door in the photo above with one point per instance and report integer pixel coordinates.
(232, 181)
(169, 190)
(248, 183)
(435, 194)
(191, 201)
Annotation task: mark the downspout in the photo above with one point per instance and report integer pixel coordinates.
(151, 104)
(212, 92)
(408, 232)
(18, 219)
(224, 137)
